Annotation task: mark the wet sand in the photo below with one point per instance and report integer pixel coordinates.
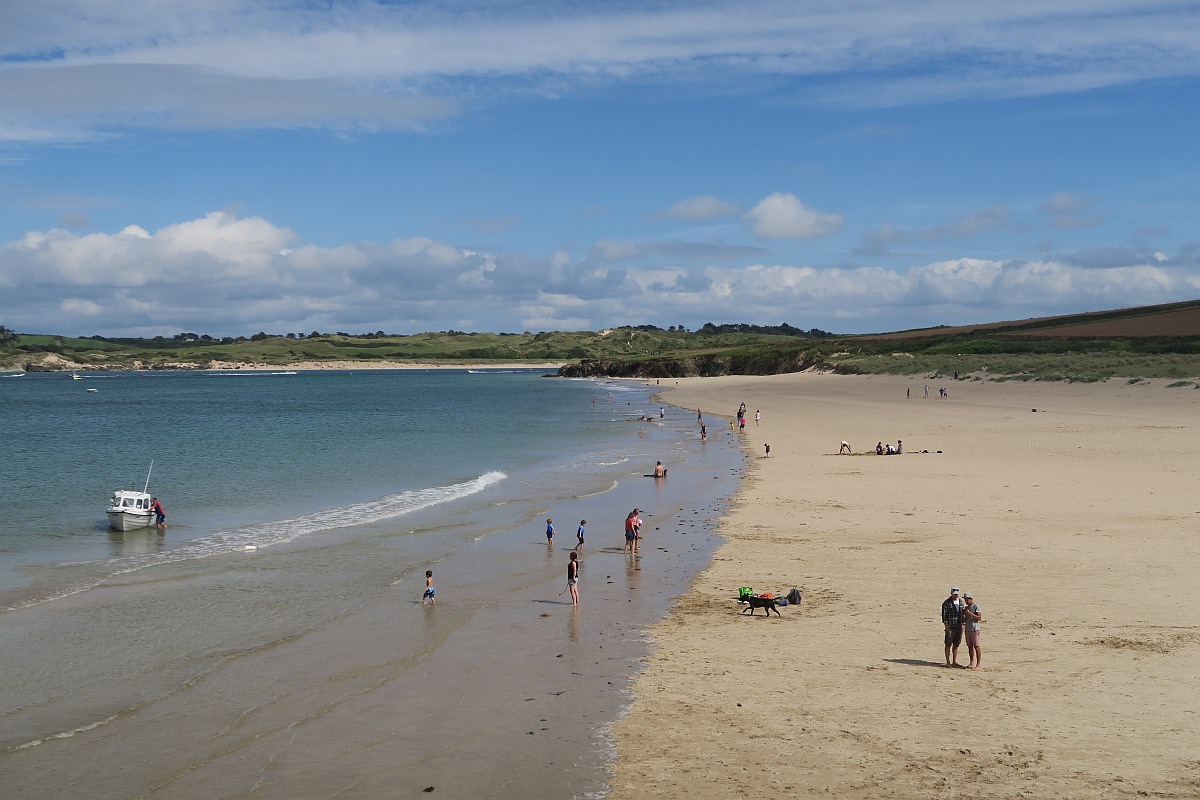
(1070, 512)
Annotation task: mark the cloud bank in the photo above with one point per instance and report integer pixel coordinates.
(223, 274)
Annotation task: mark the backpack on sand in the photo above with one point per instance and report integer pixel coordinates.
(793, 597)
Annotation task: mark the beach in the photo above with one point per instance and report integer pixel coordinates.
(271, 641)
(1069, 511)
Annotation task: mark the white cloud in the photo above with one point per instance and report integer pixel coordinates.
(783, 216)
(227, 275)
(699, 208)
(71, 72)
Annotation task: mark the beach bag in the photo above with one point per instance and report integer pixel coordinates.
(744, 592)
(793, 597)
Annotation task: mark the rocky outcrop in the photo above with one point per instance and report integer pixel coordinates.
(704, 366)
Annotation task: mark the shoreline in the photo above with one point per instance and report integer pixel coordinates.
(1064, 507)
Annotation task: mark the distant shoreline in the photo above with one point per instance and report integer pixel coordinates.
(311, 366)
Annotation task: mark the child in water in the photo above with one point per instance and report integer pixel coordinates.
(428, 588)
(549, 531)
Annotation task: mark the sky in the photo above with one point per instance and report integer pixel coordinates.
(226, 167)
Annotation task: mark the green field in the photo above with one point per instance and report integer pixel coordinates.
(1147, 342)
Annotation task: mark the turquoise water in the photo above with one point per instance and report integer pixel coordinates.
(257, 458)
(271, 643)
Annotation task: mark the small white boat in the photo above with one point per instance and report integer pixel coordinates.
(129, 509)
(93, 390)
(75, 376)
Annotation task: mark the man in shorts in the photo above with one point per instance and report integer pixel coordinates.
(972, 616)
(952, 621)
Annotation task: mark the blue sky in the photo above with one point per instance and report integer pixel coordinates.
(231, 166)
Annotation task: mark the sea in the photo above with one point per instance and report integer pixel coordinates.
(271, 641)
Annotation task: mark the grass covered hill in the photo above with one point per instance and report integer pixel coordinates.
(1144, 342)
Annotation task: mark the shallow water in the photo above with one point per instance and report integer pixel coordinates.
(187, 666)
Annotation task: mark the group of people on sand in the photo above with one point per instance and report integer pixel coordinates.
(888, 449)
(741, 418)
(961, 617)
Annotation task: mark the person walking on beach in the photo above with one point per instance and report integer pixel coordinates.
(952, 621)
(757, 417)
(637, 528)
(549, 531)
(428, 588)
(972, 616)
(630, 533)
(767, 448)
(579, 533)
(573, 577)
(160, 516)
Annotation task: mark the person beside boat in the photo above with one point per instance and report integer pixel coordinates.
(160, 516)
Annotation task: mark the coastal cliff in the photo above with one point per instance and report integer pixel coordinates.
(703, 366)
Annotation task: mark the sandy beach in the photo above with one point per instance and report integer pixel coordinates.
(1069, 511)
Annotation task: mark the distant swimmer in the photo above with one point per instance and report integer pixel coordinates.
(659, 470)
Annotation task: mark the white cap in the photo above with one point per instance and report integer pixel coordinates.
(954, 590)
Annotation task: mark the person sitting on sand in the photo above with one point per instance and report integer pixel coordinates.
(879, 449)
(845, 449)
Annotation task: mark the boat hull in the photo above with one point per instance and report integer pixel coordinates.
(129, 521)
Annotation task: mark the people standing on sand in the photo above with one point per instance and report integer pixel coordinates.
(630, 533)
(579, 533)
(637, 529)
(845, 449)
(767, 448)
(757, 417)
(160, 516)
(972, 616)
(573, 577)
(908, 393)
(742, 423)
(952, 621)
(428, 588)
(550, 531)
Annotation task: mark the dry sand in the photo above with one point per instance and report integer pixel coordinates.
(1074, 526)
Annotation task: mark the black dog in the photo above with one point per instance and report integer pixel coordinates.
(765, 603)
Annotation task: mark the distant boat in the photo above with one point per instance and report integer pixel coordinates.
(93, 390)
(129, 509)
(289, 372)
(75, 376)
